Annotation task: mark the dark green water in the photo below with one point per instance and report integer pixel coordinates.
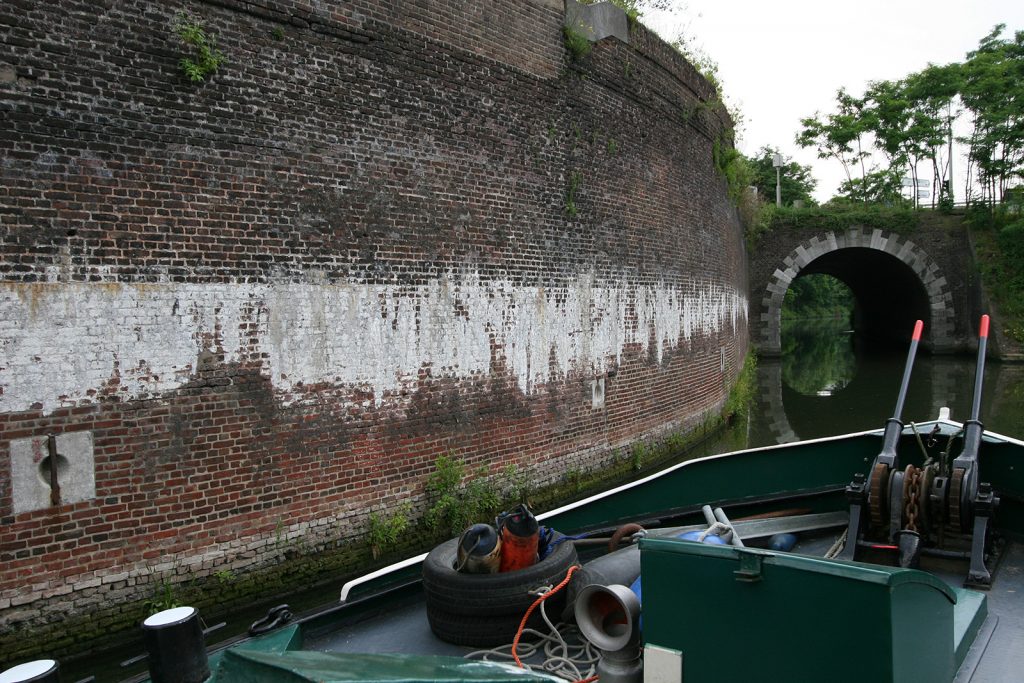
(824, 385)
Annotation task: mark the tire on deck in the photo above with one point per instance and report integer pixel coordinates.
(484, 610)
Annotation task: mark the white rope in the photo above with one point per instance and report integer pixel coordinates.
(838, 546)
(566, 653)
(716, 529)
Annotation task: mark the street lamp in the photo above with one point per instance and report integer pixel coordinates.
(777, 163)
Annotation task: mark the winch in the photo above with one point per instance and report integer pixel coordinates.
(937, 509)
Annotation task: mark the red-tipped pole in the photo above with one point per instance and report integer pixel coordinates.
(979, 373)
(914, 340)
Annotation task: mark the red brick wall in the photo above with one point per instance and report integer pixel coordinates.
(174, 257)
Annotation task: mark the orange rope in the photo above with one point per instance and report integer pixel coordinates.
(529, 611)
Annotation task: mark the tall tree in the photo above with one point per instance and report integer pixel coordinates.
(992, 90)
(841, 135)
(796, 180)
(934, 92)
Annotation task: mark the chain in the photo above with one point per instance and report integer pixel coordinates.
(911, 504)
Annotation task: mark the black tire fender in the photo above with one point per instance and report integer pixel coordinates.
(492, 595)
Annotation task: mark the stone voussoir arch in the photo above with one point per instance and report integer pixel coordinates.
(940, 300)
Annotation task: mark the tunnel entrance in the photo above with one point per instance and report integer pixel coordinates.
(893, 281)
(887, 295)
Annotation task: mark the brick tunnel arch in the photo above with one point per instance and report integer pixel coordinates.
(893, 279)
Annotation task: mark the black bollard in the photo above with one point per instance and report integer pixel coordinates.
(176, 648)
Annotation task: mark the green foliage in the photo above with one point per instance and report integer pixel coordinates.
(817, 296)
(817, 357)
(578, 44)
(457, 503)
(992, 90)
(998, 237)
(164, 597)
(874, 187)
(639, 455)
(839, 215)
(795, 180)
(575, 178)
(277, 33)
(910, 122)
(385, 531)
(225, 577)
(516, 483)
(742, 395)
(734, 167)
(840, 135)
(205, 58)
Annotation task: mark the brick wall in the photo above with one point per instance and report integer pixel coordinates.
(274, 298)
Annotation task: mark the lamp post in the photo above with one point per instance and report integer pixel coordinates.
(777, 163)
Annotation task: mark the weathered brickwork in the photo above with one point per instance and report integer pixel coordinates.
(380, 233)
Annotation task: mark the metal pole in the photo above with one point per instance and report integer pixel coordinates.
(778, 186)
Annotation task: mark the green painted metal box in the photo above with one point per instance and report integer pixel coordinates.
(747, 614)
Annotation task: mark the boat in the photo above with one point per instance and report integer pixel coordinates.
(908, 565)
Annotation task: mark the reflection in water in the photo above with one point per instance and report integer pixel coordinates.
(817, 357)
(822, 387)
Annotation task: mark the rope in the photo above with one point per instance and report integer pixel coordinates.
(717, 529)
(574, 661)
(838, 546)
(529, 611)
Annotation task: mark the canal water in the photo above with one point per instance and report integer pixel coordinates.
(825, 383)
(822, 385)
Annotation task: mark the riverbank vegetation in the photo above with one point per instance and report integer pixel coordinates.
(818, 297)
(998, 237)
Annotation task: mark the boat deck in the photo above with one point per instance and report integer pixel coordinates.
(997, 655)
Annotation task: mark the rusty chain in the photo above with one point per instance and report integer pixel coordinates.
(912, 496)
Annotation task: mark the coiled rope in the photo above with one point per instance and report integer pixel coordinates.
(566, 653)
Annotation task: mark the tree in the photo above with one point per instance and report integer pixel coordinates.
(934, 90)
(796, 180)
(910, 122)
(875, 187)
(992, 90)
(840, 135)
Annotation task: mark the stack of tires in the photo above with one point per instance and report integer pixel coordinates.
(485, 610)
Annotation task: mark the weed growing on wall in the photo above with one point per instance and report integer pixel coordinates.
(457, 501)
(204, 58)
(164, 597)
(385, 531)
(742, 395)
(577, 43)
(575, 178)
(731, 164)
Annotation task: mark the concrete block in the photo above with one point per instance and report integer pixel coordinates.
(30, 467)
(597, 21)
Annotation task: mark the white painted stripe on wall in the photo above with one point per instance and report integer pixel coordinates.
(62, 344)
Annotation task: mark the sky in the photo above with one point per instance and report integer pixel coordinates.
(782, 61)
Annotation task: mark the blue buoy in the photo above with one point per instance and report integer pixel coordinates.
(782, 542)
(636, 589)
(710, 539)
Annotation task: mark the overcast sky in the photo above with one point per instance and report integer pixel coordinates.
(784, 60)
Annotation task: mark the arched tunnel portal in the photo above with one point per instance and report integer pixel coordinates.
(893, 281)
